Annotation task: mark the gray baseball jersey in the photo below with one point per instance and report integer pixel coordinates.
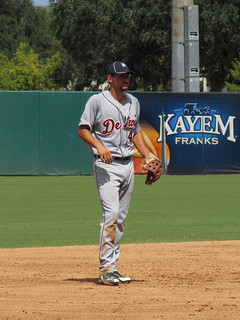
(111, 123)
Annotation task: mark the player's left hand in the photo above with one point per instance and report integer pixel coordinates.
(154, 167)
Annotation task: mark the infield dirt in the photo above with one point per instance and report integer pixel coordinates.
(170, 281)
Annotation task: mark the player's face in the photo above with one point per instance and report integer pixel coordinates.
(120, 82)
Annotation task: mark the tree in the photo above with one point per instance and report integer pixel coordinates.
(95, 33)
(234, 85)
(149, 48)
(219, 39)
(25, 72)
(90, 34)
(20, 22)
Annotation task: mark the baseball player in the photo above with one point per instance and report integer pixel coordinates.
(110, 126)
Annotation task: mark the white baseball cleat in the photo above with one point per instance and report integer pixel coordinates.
(121, 278)
(109, 278)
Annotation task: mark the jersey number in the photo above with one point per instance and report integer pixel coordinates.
(130, 136)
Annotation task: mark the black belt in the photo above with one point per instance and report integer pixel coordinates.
(115, 158)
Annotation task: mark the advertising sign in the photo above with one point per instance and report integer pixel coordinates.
(194, 133)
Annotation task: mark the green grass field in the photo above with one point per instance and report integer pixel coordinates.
(63, 211)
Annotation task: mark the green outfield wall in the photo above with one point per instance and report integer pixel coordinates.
(38, 132)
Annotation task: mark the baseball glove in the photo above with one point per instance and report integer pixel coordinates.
(154, 167)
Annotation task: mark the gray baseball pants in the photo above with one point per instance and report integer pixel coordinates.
(115, 185)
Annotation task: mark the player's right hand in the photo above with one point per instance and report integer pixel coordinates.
(105, 155)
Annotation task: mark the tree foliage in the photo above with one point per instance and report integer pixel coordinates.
(20, 22)
(91, 34)
(234, 85)
(219, 24)
(25, 72)
(96, 33)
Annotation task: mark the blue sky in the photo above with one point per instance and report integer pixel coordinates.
(41, 2)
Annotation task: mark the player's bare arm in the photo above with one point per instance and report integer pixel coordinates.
(85, 134)
(140, 144)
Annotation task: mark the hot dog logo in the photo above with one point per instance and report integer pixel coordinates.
(150, 136)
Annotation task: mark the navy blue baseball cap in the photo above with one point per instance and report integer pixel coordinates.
(119, 67)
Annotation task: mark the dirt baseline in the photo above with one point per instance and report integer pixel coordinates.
(172, 281)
